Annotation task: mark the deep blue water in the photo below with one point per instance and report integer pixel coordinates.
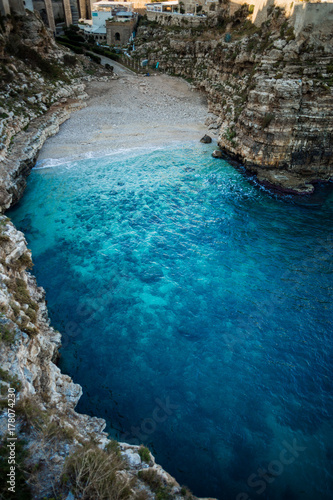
(196, 314)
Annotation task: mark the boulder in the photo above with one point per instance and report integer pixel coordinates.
(206, 139)
(217, 154)
(132, 458)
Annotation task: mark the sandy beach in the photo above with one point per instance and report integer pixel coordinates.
(128, 112)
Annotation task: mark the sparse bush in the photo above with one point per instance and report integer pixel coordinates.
(156, 484)
(144, 454)
(6, 335)
(267, 119)
(186, 493)
(32, 414)
(4, 239)
(93, 57)
(113, 447)
(92, 473)
(32, 58)
(12, 380)
(21, 294)
(69, 60)
(24, 261)
(53, 430)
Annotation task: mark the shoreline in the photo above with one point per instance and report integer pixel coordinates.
(127, 113)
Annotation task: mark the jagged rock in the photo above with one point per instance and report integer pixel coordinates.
(206, 139)
(132, 458)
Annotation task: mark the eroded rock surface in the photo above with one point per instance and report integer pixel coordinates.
(269, 87)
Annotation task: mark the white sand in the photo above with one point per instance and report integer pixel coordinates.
(133, 111)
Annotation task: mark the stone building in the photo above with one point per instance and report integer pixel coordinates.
(119, 32)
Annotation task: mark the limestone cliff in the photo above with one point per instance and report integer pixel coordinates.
(270, 86)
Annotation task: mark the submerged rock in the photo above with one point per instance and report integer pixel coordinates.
(206, 139)
(217, 154)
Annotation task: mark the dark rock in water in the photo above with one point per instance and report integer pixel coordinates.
(217, 154)
(206, 139)
(121, 183)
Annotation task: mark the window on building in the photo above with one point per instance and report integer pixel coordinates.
(117, 37)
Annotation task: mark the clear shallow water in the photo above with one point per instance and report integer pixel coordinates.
(196, 314)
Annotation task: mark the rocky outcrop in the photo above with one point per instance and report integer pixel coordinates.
(270, 90)
(16, 166)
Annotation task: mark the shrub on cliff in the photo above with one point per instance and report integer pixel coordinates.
(267, 119)
(144, 454)
(156, 484)
(32, 58)
(95, 473)
(69, 60)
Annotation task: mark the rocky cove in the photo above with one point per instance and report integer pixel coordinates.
(47, 426)
(47, 420)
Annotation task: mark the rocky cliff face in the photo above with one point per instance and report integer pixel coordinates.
(270, 89)
(59, 453)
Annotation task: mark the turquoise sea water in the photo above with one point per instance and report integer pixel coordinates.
(196, 314)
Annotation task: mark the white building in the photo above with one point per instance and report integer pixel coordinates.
(171, 6)
(105, 11)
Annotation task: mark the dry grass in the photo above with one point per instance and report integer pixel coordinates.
(94, 474)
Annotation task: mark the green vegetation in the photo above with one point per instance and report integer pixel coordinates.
(144, 454)
(156, 484)
(21, 294)
(12, 380)
(251, 9)
(267, 119)
(93, 57)
(49, 69)
(106, 53)
(186, 493)
(92, 473)
(69, 60)
(24, 261)
(6, 335)
(74, 48)
(229, 135)
(113, 447)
